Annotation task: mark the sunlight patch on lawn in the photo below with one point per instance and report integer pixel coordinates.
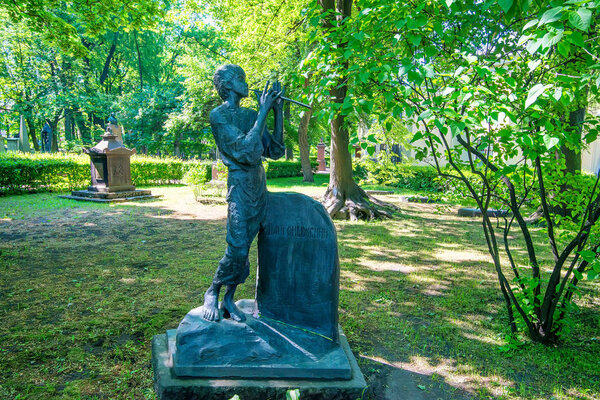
(460, 255)
(354, 282)
(376, 265)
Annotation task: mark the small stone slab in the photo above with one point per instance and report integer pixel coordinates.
(110, 197)
(170, 387)
(476, 212)
(380, 191)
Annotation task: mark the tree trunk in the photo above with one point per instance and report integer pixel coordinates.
(304, 147)
(54, 144)
(109, 58)
(84, 130)
(69, 125)
(140, 65)
(344, 198)
(573, 156)
(289, 153)
(31, 133)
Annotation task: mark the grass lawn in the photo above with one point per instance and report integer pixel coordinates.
(85, 287)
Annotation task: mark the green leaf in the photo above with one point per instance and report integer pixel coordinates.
(533, 64)
(422, 387)
(577, 39)
(550, 141)
(530, 24)
(415, 23)
(534, 93)
(505, 5)
(581, 19)
(418, 135)
(550, 16)
(414, 39)
(557, 94)
(292, 394)
(563, 48)
(429, 72)
(533, 46)
(371, 150)
(587, 255)
(425, 115)
(447, 91)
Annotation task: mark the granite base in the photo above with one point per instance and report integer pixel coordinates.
(168, 386)
(110, 197)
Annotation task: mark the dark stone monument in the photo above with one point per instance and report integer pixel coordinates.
(288, 336)
(110, 174)
(46, 138)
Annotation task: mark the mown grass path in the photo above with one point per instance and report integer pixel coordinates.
(85, 287)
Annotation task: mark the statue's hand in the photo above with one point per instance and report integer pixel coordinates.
(278, 105)
(268, 97)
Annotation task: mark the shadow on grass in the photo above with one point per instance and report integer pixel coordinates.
(420, 296)
(86, 286)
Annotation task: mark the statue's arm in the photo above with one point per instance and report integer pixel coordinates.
(243, 148)
(273, 144)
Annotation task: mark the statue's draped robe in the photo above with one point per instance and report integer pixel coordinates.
(242, 147)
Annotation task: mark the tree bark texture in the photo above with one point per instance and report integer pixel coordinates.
(31, 132)
(140, 65)
(109, 58)
(304, 147)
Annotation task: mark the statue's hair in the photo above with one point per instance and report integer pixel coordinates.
(224, 74)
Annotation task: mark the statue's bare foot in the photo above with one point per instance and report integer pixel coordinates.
(229, 307)
(210, 310)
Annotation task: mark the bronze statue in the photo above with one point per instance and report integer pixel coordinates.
(242, 138)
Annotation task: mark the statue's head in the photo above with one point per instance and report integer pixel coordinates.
(224, 77)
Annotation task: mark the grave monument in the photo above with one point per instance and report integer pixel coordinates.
(288, 337)
(23, 137)
(110, 174)
(46, 138)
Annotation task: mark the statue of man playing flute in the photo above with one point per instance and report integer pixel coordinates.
(243, 139)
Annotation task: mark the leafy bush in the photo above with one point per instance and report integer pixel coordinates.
(284, 169)
(24, 172)
(34, 172)
(414, 177)
(198, 173)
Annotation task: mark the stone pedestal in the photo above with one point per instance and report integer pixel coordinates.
(110, 174)
(169, 386)
(321, 156)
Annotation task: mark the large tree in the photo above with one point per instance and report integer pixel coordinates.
(331, 69)
(487, 87)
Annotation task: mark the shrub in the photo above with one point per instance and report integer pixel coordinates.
(414, 177)
(24, 172)
(197, 173)
(284, 169)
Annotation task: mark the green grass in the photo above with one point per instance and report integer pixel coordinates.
(85, 287)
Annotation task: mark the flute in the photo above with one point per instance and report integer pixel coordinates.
(259, 92)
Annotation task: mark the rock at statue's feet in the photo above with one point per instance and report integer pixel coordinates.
(230, 310)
